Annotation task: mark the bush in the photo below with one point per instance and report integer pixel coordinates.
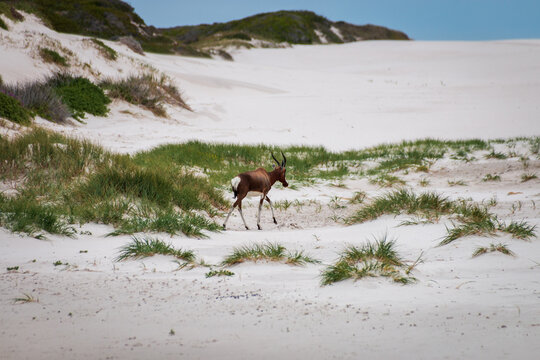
(80, 95)
(52, 56)
(3, 24)
(146, 90)
(12, 110)
(40, 98)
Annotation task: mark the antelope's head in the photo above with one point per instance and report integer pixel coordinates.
(280, 170)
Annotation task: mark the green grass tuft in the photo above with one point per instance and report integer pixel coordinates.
(106, 51)
(369, 260)
(221, 272)
(148, 246)
(51, 56)
(528, 176)
(502, 248)
(269, 252)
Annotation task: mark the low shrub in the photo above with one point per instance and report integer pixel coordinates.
(40, 98)
(51, 56)
(146, 90)
(12, 110)
(80, 95)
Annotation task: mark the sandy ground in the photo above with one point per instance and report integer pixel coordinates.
(346, 96)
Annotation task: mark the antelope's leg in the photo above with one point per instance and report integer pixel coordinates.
(271, 208)
(259, 214)
(229, 214)
(242, 215)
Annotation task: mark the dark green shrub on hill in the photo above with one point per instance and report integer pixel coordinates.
(80, 95)
(12, 110)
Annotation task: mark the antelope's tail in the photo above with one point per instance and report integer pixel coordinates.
(235, 193)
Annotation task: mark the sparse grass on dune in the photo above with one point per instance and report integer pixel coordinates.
(148, 90)
(268, 252)
(105, 50)
(306, 164)
(72, 181)
(51, 56)
(372, 259)
(471, 218)
(148, 246)
(502, 248)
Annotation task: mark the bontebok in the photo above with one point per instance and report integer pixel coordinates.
(257, 183)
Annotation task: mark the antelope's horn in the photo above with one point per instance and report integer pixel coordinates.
(277, 162)
(284, 163)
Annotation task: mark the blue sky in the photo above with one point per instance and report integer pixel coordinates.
(420, 19)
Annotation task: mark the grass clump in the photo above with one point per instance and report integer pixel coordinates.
(491, 177)
(148, 246)
(502, 248)
(106, 51)
(26, 298)
(221, 272)
(80, 95)
(146, 90)
(269, 252)
(51, 56)
(496, 155)
(369, 260)
(12, 110)
(528, 176)
(429, 205)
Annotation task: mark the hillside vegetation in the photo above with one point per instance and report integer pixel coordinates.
(115, 19)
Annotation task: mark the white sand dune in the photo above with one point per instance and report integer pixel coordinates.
(340, 96)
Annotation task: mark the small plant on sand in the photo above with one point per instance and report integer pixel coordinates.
(12, 268)
(387, 180)
(358, 197)
(491, 177)
(502, 248)
(424, 182)
(528, 176)
(268, 252)
(105, 50)
(26, 298)
(221, 272)
(456, 183)
(51, 56)
(519, 230)
(496, 155)
(369, 260)
(148, 246)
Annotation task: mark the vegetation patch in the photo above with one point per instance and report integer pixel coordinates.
(148, 246)
(267, 252)
(39, 98)
(12, 109)
(80, 95)
(106, 51)
(146, 90)
(57, 191)
(502, 248)
(51, 56)
(221, 272)
(372, 259)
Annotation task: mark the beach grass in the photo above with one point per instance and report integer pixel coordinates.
(267, 252)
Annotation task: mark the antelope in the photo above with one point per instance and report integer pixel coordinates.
(257, 183)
